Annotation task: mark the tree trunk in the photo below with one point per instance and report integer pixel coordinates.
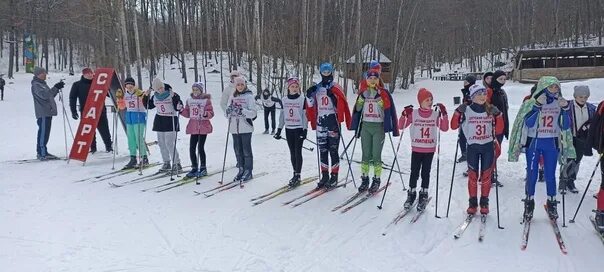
(139, 75)
(258, 46)
(181, 44)
(124, 38)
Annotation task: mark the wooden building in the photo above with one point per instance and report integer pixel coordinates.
(563, 63)
(369, 53)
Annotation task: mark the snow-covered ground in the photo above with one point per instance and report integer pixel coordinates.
(50, 223)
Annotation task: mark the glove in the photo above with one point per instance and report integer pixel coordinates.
(60, 85)
(442, 108)
(75, 115)
(360, 101)
(238, 111)
(179, 106)
(139, 93)
(563, 103)
(304, 132)
(147, 92)
(461, 108)
(541, 99)
(119, 94)
(278, 134)
(381, 103)
(407, 111)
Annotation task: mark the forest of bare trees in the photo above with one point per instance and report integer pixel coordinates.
(264, 35)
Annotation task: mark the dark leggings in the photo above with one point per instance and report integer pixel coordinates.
(295, 141)
(421, 161)
(197, 144)
(269, 111)
(602, 172)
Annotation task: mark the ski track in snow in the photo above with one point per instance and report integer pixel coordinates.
(50, 223)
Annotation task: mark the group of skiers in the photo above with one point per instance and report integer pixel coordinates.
(548, 129)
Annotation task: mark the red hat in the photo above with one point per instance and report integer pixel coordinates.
(87, 71)
(423, 94)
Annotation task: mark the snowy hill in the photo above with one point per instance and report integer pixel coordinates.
(51, 223)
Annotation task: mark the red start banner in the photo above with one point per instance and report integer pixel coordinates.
(104, 80)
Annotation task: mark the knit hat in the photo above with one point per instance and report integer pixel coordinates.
(326, 67)
(235, 73)
(293, 80)
(373, 72)
(200, 86)
(129, 80)
(476, 88)
(157, 84)
(39, 70)
(375, 65)
(487, 74)
(423, 94)
(239, 80)
(581, 90)
(87, 71)
(471, 79)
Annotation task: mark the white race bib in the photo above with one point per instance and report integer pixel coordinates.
(133, 103)
(372, 112)
(423, 130)
(478, 127)
(164, 107)
(324, 103)
(196, 108)
(547, 126)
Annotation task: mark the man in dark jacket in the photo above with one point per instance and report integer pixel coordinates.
(45, 108)
(2, 82)
(497, 97)
(79, 93)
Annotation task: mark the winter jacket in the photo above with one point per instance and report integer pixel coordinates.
(164, 123)
(595, 136)
(44, 102)
(241, 111)
(442, 124)
(200, 125)
(269, 101)
(580, 125)
(337, 98)
(519, 134)
(79, 94)
(136, 114)
(459, 118)
(2, 83)
(390, 115)
(499, 99)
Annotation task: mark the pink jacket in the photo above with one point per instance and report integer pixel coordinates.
(199, 126)
(406, 122)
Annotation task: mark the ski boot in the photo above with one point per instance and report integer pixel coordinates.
(131, 164)
(472, 205)
(92, 149)
(51, 156)
(192, 173)
(333, 181)
(239, 175)
(375, 185)
(294, 181)
(202, 172)
(265, 132)
(570, 185)
(109, 148)
(364, 183)
(411, 194)
(324, 179)
(599, 218)
(145, 161)
(484, 205)
(465, 173)
(165, 167)
(247, 175)
(463, 158)
(552, 210)
(273, 132)
(176, 168)
(422, 200)
(529, 207)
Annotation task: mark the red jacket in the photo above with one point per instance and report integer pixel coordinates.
(342, 109)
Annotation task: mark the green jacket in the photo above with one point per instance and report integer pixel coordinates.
(520, 130)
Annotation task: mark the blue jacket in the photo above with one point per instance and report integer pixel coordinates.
(390, 118)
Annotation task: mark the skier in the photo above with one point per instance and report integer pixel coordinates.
(465, 92)
(542, 126)
(596, 141)
(45, 108)
(136, 121)
(540, 178)
(424, 124)
(229, 90)
(580, 112)
(2, 82)
(269, 103)
(166, 125)
(327, 108)
(373, 116)
(481, 122)
(498, 98)
(79, 93)
(293, 118)
(241, 111)
(199, 110)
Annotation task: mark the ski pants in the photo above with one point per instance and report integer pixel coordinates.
(197, 146)
(600, 206)
(548, 148)
(242, 143)
(372, 143)
(463, 143)
(2, 93)
(167, 141)
(269, 111)
(44, 125)
(294, 142)
(328, 142)
(103, 128)
(481, 158)
(136, 139)
(423, 162)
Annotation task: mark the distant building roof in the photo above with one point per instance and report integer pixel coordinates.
(561, 52)
(367, 54)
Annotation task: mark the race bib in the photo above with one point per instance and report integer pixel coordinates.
(196, 108)
(423, 130)
(372, 112)
(164, 107)
(478, 127)
(547, 126)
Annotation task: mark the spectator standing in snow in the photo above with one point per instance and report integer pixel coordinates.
(269, 102)
(45, 108)
(498, 98)
(2, 82)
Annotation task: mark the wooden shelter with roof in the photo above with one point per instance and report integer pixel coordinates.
(563, 63)
(369, 53)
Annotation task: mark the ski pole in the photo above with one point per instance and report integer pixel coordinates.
(307, 148)
(175, 131)
(346, 147)
(437, 162)
(563, 208)
(395, 162)
(114, 125)
(225, 151)
(400, 139)
(586, 187)
(348, 160)
(453, 175)
(64, 121)
(311, 141)
(497, 203)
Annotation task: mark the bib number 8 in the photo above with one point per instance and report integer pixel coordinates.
(162, 108)
(370, 108)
